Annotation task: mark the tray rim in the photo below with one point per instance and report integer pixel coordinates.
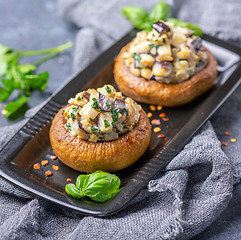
(226, 45)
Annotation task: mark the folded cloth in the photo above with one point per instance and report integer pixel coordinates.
(182, 200)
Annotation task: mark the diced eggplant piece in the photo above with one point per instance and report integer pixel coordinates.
(160, 26)
(105, 103)
(86, 95)
(120, 104)
(196, 44)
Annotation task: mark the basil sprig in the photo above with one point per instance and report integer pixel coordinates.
(99, 186)
(141, 20)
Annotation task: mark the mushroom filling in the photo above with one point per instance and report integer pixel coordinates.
(101, 115)
(167, 54)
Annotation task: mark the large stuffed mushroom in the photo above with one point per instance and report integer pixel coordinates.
(100, 130)
(167, 66)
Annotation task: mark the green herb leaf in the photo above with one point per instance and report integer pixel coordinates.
(68, 126)
(178, 23)
(106, 123)
(27, 68)
(37, 82)
(114, 114)
(13, 107)
(159, 12)
(21, 76)
(75, 110)
(124, 111)
(108, 105)
(4, 94)
(108, 90)
(99, 186)
(96, 130)
(72, 116)
(72, 190)
(137, 15)
(95, 104)
(4, 49)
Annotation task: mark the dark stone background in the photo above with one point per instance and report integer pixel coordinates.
(35, 24)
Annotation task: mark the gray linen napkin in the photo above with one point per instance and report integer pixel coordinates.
(196, 186)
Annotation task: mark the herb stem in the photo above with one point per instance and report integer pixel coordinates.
(46, 51)
(45, 58)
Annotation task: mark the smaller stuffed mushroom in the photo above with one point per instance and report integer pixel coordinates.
(167, 66)
(100, 130)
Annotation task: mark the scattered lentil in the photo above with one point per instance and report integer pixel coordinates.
(44, 162)
(48, 173)
(153, 108)
(165, 119)
(161, 136)
(233, 140)
(227, 133)
(224, 144)
(4, 112)
(156, 122)
(68, 179)
(149, 114)
(157, 129)
(162, 115)
(159, 108)
(53, 157)
(36, 166)
(56, 168)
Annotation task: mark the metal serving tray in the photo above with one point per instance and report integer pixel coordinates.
(31, 143)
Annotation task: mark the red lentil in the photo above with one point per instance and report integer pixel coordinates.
(36, 166)
(44, 162)
(48, 173)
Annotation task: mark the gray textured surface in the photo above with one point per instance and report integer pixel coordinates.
(57, 222)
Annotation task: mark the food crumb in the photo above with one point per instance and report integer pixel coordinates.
(224, 144)
(56, 168)
(44, 162)
(227, 133)
(48, 173)
(159, 107)
(162, 115)
(4, 112)
(155, 122)
(157, 129)
(149, 114)
(233, 140)
(36, 166)
(68, 179)
(53, 157)
(161, 136)
(153, 108)
(165, 119)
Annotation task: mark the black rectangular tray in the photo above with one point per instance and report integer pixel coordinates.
(31, 143)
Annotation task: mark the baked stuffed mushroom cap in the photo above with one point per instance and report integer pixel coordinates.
(100, 130)
(167, 66)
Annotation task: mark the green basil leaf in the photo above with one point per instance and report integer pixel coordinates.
(101, 186)
(178, 23)
(81, 181)
(72, 190)
(137, 15)
(159, 12)
(13, 107)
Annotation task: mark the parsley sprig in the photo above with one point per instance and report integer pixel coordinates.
(22, 77)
